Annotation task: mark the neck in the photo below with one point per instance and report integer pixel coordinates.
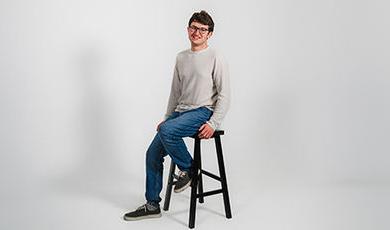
(198, 47)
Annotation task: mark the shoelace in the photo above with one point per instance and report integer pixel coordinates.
(142, 207)
(182, 173)
(145, 207)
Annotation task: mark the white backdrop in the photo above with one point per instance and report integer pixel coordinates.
(83, 85)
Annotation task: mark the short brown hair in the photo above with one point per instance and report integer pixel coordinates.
(204, 18)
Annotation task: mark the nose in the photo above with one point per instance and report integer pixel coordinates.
(196, 35)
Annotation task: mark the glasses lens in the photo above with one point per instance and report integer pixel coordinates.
(201, 30)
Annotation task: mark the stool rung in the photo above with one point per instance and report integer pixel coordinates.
(210, 175)
(209, 193)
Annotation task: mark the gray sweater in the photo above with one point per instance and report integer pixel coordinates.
(200, 78)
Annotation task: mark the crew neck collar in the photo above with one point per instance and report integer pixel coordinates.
(199, 51)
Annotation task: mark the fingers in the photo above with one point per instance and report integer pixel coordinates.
(202, 131)
(209, 134)
(158, 126)
(206, 133)
(202, 134)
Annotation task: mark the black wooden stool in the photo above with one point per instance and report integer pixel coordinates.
(197, 183)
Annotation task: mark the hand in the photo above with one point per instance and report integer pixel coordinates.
(158, 126)
(205, 131)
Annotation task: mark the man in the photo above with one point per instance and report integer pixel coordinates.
(199, 100)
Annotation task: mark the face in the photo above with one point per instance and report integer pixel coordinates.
(198, 33)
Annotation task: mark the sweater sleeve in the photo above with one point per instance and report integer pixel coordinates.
(175, 93)
(222, 84)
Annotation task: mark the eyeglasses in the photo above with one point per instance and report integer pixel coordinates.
(193, 29)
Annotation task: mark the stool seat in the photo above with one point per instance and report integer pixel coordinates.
(216, 133)
(197, 181)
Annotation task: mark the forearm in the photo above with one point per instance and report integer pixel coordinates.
(220, 110)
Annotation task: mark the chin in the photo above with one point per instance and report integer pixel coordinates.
(197, 42)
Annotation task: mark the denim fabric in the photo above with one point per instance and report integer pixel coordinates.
(169, 141)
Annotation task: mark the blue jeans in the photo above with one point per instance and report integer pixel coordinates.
(169, 141)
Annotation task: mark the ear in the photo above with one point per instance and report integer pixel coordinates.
(209, 35)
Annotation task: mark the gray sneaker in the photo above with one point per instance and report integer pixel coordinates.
(143, 212)
(183, 182)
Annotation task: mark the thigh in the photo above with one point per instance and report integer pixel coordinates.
(172, 116)
(187, 123)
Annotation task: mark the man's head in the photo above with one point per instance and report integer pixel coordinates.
(200, 28)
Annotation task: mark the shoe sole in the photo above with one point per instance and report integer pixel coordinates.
(183, 188)
(142, 217)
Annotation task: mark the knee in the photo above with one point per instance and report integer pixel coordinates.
(165, 130)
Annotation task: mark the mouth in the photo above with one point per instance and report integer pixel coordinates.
(195, 38)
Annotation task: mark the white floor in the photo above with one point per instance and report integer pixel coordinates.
(84, 202)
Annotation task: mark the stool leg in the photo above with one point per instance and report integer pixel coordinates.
(168, 192)
(200, 178)
(194, 185)
(223, 177)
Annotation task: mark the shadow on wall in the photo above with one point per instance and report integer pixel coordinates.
(98, 174)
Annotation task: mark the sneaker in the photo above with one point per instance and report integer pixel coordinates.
(183, 182)
(143, 212)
